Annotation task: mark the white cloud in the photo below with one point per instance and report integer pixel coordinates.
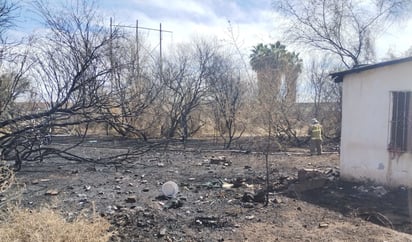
(397, 40)
(253, 22)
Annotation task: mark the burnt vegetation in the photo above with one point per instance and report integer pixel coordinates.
(93, 92)
(81, 76)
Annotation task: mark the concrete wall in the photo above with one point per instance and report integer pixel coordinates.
(365, 126)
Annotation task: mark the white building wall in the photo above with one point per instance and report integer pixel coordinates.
(365, 126)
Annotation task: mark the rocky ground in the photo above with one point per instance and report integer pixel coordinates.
(221, 195)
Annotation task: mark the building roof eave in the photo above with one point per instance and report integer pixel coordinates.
(339, 76)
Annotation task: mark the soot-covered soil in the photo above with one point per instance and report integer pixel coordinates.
(221, 194)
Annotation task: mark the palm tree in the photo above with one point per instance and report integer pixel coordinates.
(276, 68)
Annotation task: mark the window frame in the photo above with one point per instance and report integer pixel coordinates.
(400, 122)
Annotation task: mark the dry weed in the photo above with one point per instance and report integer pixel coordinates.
(46, 225)
(43, 225)
(10, 190)
(6, 177)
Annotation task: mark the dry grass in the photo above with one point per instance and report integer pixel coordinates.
(10, 190)
(19, 224)
(6, 177)
(46, 225)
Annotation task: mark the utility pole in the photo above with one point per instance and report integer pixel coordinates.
(137, 47)
(137, 27)
(160, 53)
(111, 49)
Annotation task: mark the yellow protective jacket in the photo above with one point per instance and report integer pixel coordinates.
(316, 132)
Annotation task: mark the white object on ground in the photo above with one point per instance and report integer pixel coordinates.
(170, 189)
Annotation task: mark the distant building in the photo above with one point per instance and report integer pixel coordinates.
(376, 139)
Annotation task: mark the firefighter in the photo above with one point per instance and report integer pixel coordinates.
(315, 132)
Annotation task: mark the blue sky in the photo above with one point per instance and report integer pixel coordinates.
(253, 21)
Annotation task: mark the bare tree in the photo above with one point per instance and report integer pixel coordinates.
(14, 66)
(135, 86)
(325, 95)
(345, 28)
(70, 67)
(13, 84)
(277, 70)
(7, 17)
(185, 77)
(226, 90)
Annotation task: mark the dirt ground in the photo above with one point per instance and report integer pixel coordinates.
(220, 195)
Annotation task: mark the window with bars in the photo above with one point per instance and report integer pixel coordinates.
(401, 122)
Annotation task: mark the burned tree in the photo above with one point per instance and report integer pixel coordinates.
(136, 86)
(226, 91)
(68, 65)
(185, 78)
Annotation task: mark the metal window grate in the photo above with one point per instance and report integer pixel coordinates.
(400, 126)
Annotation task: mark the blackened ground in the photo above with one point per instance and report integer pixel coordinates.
(220, 196)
